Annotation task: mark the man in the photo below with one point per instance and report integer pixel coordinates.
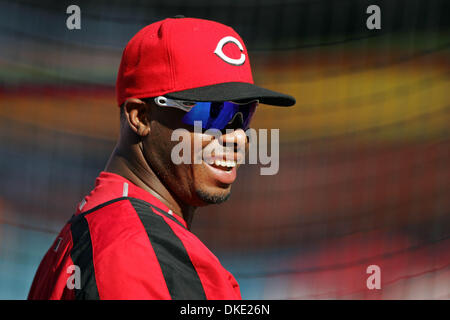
(130, 238)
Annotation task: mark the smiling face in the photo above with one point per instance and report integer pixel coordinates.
(195, 184)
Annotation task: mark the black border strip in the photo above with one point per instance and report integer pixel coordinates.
(75, 217)
(159, 210)
(81, 255)
(179, 273)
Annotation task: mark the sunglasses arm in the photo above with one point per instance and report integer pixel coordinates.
(166, 102)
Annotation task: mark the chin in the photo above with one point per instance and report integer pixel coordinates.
(213, 197)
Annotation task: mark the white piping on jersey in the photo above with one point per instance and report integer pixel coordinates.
(58, 242)
(125, 190)
(83, 202)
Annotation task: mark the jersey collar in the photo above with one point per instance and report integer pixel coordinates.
(110, 186)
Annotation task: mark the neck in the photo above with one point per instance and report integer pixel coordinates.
(130, 164)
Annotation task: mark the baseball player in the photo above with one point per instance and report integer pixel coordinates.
(130, 238)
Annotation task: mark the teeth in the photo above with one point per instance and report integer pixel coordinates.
(224, 163)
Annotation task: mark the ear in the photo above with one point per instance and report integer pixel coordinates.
(137, 114)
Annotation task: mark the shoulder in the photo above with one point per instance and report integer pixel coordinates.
(109, 226)
(113, 248)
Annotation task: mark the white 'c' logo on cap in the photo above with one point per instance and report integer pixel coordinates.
(219, 51)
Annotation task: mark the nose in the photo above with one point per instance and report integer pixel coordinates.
(236, 138)
(237, 122)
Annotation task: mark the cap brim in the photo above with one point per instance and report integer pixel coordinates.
(234, 91)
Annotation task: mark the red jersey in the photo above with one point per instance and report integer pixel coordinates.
(126, 244)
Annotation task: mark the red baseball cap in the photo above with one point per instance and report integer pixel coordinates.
(190, 59)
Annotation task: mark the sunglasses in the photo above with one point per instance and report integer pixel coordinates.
(213, 115)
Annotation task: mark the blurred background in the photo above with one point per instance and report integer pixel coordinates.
(364, 175)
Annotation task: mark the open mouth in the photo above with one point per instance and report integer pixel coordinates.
(225, 165)
(223, 171)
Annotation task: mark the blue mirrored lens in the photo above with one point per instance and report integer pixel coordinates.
(218, 115)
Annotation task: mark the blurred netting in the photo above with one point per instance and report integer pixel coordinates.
(364, 174)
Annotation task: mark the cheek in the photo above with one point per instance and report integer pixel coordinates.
(199, 175)
(158, 144)
(159, 148)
